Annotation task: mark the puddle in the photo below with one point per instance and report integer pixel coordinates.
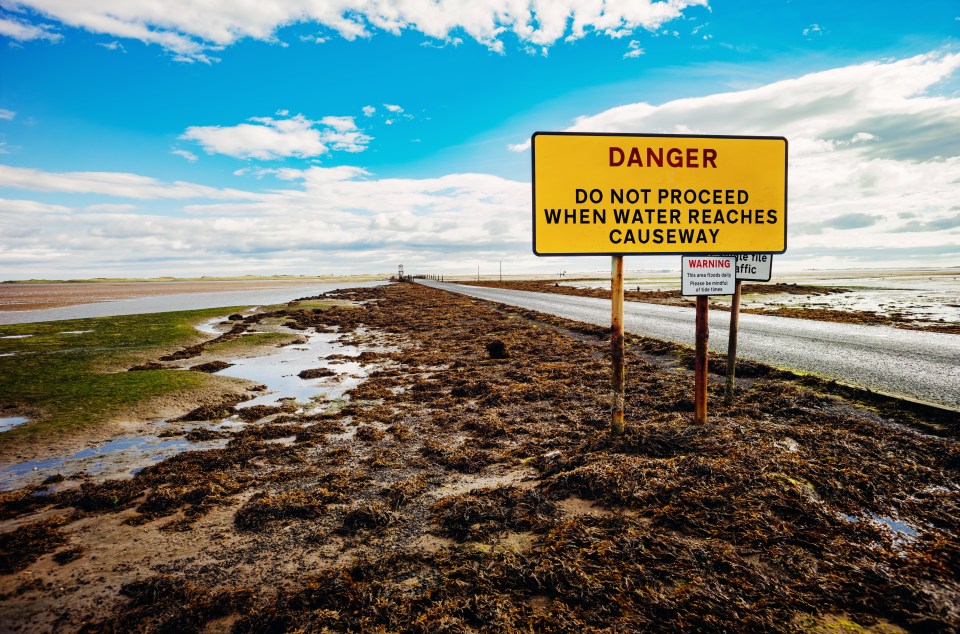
(74, 332)
(903, 533)
(8, 354)
(15, 336)
(901, 528)
(9, 423)
(213, 327)
(280, 370)
(120, 457)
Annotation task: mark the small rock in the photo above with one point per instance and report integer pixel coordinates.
(497, 349)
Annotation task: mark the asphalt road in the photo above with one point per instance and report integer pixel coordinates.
(918, 365)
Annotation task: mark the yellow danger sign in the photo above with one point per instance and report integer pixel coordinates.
(618, 194)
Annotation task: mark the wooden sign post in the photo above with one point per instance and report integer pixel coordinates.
(618, 376)
(705, 277)
(700, 361)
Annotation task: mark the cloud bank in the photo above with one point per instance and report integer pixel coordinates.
(191, 29)
(874, 180)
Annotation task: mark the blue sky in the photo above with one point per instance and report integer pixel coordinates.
(334, 137)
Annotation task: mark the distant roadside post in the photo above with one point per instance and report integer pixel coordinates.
(621, 194)
(753, 267)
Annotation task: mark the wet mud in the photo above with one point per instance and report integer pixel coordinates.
(464, 487)
(674, 298)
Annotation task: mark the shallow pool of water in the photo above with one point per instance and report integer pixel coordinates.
(280, 370)
(122, 456)
(11, 421)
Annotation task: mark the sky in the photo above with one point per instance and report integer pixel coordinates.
(306, 137)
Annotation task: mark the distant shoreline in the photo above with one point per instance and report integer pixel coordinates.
(22, 303)
(207, 278)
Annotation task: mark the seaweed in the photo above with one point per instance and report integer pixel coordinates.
(24, 545)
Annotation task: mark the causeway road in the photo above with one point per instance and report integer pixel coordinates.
(921, 366)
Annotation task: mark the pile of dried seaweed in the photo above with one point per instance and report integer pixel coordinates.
(462, 491)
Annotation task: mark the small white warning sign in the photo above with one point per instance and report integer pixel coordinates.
(708, 275)
(754, 267)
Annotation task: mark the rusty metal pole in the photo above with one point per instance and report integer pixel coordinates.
(732, 344)
(700, 365)
(618, 376)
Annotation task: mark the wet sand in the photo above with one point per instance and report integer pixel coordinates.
(55, 295)
(466, 487)
(915, 300)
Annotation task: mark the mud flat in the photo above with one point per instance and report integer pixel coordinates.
(912, 299)
(27, 303)
(467, 486)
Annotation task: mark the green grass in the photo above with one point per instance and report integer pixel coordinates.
(249, 342)
(309, 304)
(71, 381)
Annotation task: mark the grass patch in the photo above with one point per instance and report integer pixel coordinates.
(251, 342)
(70, 373)
(309, 304)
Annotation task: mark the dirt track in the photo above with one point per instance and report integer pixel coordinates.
(458, 492)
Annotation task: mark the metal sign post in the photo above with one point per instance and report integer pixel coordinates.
(618, 376)
(755, 267)
(732, 344)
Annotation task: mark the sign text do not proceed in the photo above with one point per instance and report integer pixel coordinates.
(613, 194)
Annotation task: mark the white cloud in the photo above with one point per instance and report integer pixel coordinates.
(29, 207)
(325, 218)
(112, 46)
(393, 107)
(24, 31)
(7, 115)
(315, 39)
(117, 184)
(368, 111)
(111, 207)
(267, 138)
(190, 156)
(813, 29)
(340, 124)
(190, 29)
(633, 50)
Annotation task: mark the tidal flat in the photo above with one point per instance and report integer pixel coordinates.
(915, 299)
(464, 486)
